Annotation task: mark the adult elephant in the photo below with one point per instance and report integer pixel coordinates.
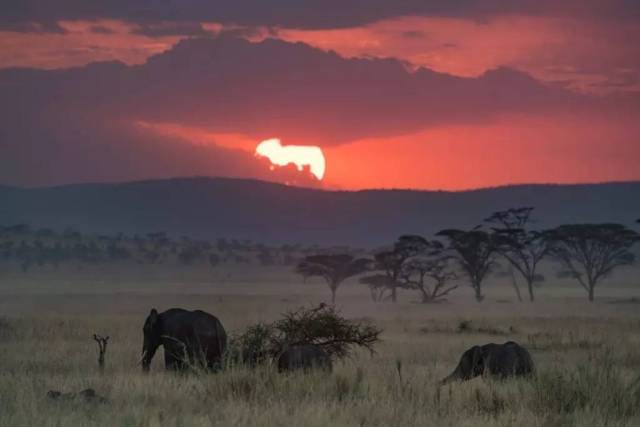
(189, 338)
(498, 360)
(303, 356)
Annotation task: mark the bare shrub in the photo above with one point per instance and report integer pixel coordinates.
(323, 326)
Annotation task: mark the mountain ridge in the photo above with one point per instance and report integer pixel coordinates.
(268, 212)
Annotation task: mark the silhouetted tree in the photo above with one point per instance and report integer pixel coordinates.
(334, 269)
(590, 252)
(17, 229)
(222, 245)
(475, 252)
(265, 258)
(433, 264)
(391, 264)
(522, 248)
(378, 285)
(190, 254)
(214, 260)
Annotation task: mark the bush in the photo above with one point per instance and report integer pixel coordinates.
(322, 326)
(253, 346)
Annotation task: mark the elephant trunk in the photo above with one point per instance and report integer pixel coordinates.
(454, 376)
(144, 362)
(146, 357)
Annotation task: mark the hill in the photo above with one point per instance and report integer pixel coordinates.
(274, 213)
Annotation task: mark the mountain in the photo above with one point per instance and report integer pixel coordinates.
(273, 213)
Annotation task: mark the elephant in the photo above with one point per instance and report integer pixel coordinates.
(189, 338)
(498, 360)
(303, 356)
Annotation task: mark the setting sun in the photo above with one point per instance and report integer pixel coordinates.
(299, 155)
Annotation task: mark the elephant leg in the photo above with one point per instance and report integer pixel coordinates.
(173, 363)
(169, 361)
(214, 361)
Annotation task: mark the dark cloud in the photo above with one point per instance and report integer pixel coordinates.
(162, 29)
(79, 124)
(44, 26)
(299, 14)
(274, 88)
(100, 29)
(57, 149)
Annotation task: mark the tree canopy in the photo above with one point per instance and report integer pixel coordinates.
(591, 252)
(475, 252)
(333, 268)
(522, 248)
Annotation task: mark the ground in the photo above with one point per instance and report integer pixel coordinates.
(587, 355)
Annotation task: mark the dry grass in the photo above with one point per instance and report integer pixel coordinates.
(588, 356)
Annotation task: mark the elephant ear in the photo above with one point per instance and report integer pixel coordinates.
(153, 316)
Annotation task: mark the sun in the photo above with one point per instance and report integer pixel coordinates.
(299, 155)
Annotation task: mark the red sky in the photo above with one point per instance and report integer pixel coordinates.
(396, 98)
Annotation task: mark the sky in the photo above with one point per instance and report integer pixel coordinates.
(417, 94)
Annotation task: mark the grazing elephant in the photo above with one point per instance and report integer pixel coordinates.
(304, 356)
(498, 360)
(188, 337)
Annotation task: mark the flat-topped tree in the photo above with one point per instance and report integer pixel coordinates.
(391, 263)
(378, 285)
(334, 269)
(475, 251)
(523, 249)
(590, 252)
(430, 273)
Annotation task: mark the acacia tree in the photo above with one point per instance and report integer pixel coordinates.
(390, 264)
(334, 269)
(475, 252)
(523, 249)
(378, 285)
(590, 252)
(322, 326)
(432, 266)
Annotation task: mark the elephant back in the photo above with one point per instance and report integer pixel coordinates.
(200, 332)
(209, 331)
(303, 356)
(507, 359)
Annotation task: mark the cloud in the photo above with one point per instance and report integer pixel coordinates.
(296, 14)
(101, 29)
(162, 29)
(292, 91)
(58, 150)
(82, 124)
(585, 51)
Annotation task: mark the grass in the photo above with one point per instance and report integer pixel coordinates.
(587, 355)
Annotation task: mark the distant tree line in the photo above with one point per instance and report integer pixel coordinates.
(587, 253)
(26, 248)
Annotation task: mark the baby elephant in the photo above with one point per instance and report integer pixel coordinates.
(304, 356)
(498, 360)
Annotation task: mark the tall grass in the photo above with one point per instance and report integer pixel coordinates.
(586, 372)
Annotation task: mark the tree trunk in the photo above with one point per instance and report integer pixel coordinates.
(591, 291)
(530, 286)
(393, 294)
(478, 290)
(514, 282)
(333, 295)
(426, 298)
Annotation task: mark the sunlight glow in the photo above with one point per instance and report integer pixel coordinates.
(299, 155)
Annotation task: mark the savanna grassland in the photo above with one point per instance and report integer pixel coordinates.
(587, 354)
